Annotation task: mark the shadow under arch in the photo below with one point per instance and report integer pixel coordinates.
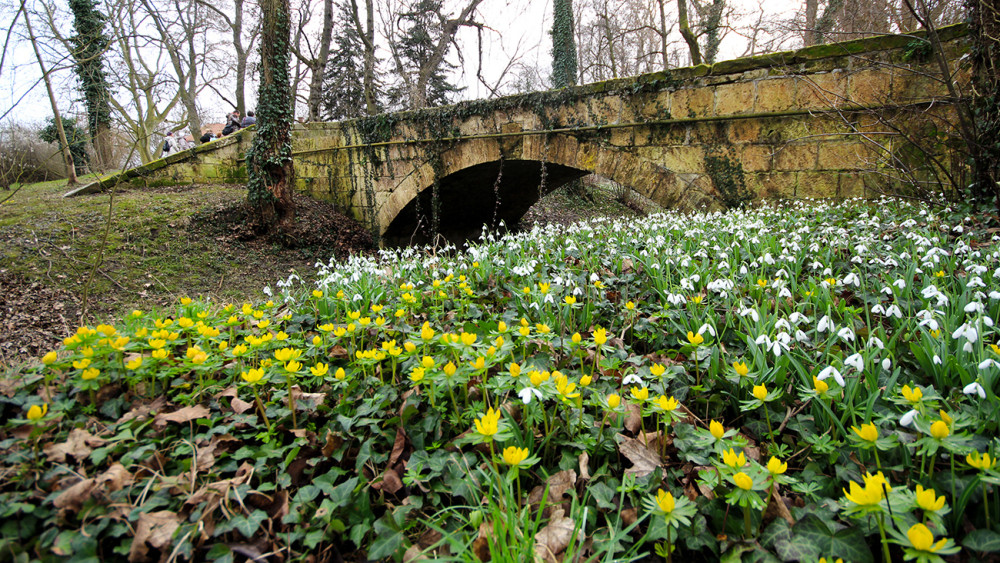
(470, 196)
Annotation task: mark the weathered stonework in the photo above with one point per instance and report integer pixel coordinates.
(791, 120)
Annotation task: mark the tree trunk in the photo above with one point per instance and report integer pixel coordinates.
(367, 34)
(269, 160)
(663, 33)
(318, 65)
(686, 33)
(241, 59)
(809, 33)
(71, 179)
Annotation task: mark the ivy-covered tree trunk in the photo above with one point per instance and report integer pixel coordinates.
(564, 64)
(269, 160)
(984, 25)
(89, 45)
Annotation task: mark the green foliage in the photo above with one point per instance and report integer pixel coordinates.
(564, 63)
(89, 45)
(76, 137)
(729, 180)
(984, 28)
(422, 26)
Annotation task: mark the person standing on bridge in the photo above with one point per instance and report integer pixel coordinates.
(232, 123)
(249, 120)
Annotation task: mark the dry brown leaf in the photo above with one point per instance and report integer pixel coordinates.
(633, 417)
(240, 406)
(558, 484)
(644, 460)
(114, 479)
(140, 412)
(78, 444)
(585, 466)
(390, 483)
(552, 540)
(206, 456)
(481, 545)
(183, 415)
(307, 400)
(74, 497)
(229, 392)
(333, 443)
(776, 508)
(397, 446)
(154, 529)
(630, 515)
(339, 352)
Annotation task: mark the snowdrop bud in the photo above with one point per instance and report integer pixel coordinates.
(886, 364)
(936, 360)
(974, 388)
(907, 418)
(967, 347)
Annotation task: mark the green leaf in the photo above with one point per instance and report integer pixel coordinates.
(341, 494)
(812, 534)
(982, 540)
(247, 525)
(603, 495)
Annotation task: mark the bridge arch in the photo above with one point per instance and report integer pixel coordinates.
(486, 181)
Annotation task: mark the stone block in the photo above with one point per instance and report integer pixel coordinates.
(817, 185)
(744, 130)
(796, 156)
(681, 160)
(622, 137)
(775, 184)
(691, 102)
(756, 158)
(852, 184)
(842, 156)
(822, 91)
(775, 94)
(733, 99)
(870, 87)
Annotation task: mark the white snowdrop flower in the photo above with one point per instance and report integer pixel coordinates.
(975, 282)
(929, 292)
(594, 277)
(967, 347)
(894, 311)
(577, 290)
(988, 321)
(968, 331)
(855, 361)
(846, 334)
(958, 229)
(825, 324)
(974, 388)
(886, 364)
(548, 298)
(763, 339)
(830, 371)
(932, 324)
(782, 324)
(985, 364)
(878, 309)
(900, 283)
(752, 313)
(267, 291)
(781, 273)
(797, 318)
(632, 378)
(886, 290)
(744, 271)
(784, 292)
(356, 297)
(876, 342)
(974, 307)
(707, 328)
(852, 279)
(527, 393)
(907, 418)
(534, 306)
(801, 336)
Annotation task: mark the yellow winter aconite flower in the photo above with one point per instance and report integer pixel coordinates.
(656, 370)
(743, 481)
(666, 404)
(630, 306)
(263, 323)
(81, 364)
(564, 387)
(697, 299)
(695, 339)
(417, 375)
(983, 462)
(928, 500)
(776, 467)
(35, 412)
(576, 338)
(524, 331)
(320, 369)
(253, 375)
(427, 362)
(339, 375)
(867, 432)
(543, 288)
(159, 354)
(489, 424)
(106, 330)
(585, 380)
(872, 493)
(922, 539)
(665, 501)
(600, 336)
(640, 394)
(760, 392)
(820, 386)
(50, 358)
(717, 430)
(513, 455)
(317, 293)
(761, 282)
(185, 322)
(614, 400)
(912, 395)
(426, 332)
(449, 369)
(409, 347)
(134, 364)
(185, 300)
(741, 368)
(570, 299)
(293, 366)
(90, 373)
(939, 430)
(468, 339)
(730, 458)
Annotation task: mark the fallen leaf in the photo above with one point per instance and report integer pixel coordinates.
(183, 415)
(585, 466)
(114, 479)
(154, 530)
(629, 516)
(644, 460)
(552, 540)
(78, 444)
(74, 497)
(307, 400)
(390, 483)
(333, 443)
(141, 412)
(633, 417)
(776, 508)
(397, 446)
(481, 545)
(240, 406)
(558, 484)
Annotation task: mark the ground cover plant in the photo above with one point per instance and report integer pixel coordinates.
(803, 382)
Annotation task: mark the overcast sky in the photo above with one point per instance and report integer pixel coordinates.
(517, 28)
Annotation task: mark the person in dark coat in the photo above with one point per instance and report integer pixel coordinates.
(249, 120)
(207, 137)
(232, 123)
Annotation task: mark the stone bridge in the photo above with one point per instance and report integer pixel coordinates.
(812, 123)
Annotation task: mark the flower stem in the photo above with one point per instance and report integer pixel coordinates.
(885, 543)
(746, 522)
(260, 407)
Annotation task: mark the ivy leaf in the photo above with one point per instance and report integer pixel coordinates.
(387, 541)
(341, 494)
(247, 525)
(603, 495)
(812, 535)
(982, 540)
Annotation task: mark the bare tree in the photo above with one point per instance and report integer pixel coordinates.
(314, 58)
(243, 38)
